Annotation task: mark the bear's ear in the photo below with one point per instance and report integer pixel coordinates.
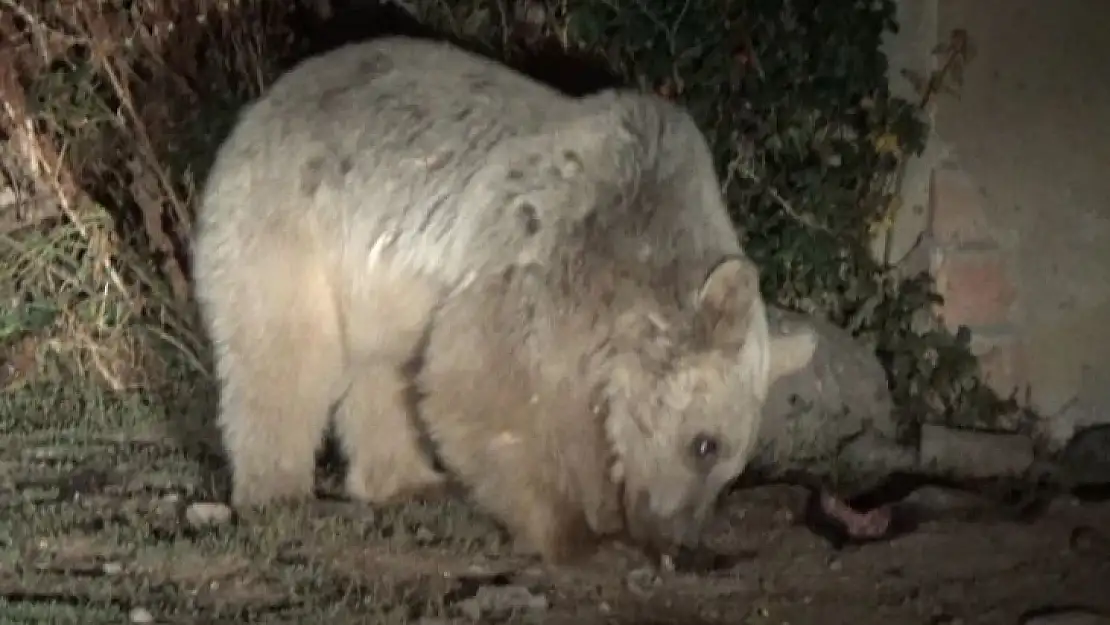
(726, 302)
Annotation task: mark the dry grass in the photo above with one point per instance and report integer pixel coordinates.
(109, 112)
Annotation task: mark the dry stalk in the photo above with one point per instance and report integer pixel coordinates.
(143, 69)
(956, 54)
(46, 165)
(102, 44)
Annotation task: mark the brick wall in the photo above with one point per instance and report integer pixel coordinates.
(975, 273)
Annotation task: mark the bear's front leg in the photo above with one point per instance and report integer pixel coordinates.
(385, 460)
(545, 525)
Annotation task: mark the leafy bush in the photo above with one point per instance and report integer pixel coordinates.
(111, 111)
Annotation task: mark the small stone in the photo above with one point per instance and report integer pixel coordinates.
(111, 568)
(141, 615)
(203, 514)
(836, 565)
(495, 601)
(643, 581)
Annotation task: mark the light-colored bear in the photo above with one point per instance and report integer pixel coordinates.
(371, 186)
(590, 399)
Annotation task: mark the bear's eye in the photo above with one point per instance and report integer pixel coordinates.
(705, 447)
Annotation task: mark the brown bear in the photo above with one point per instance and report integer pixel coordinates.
(373, 185)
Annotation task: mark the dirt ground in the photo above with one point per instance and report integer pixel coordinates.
(97, 525)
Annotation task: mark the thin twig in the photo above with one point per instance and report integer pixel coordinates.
(955, 55)
(737, 166)
(57, 175)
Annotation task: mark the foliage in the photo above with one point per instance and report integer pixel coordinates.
(793, 96)
(112, 110)
(101, 110)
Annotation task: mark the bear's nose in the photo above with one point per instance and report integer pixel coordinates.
(685, 528)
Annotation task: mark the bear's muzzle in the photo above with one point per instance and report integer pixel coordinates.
(664, 534)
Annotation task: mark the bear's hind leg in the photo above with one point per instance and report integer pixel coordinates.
(279, 362)
(389, 316)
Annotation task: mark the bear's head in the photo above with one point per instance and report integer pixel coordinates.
(682, 403)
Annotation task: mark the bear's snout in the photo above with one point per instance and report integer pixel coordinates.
(664, 533)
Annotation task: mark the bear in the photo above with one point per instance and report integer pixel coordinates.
(346, 201)
(371, 185)
(592, 399)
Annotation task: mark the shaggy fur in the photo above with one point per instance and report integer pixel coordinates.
(575, 399)
(374, 184)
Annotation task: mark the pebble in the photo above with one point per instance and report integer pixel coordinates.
(495, 601)
(643, 581)
(203, 514)
(424, 535)
(141, 615)
(111, 568)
